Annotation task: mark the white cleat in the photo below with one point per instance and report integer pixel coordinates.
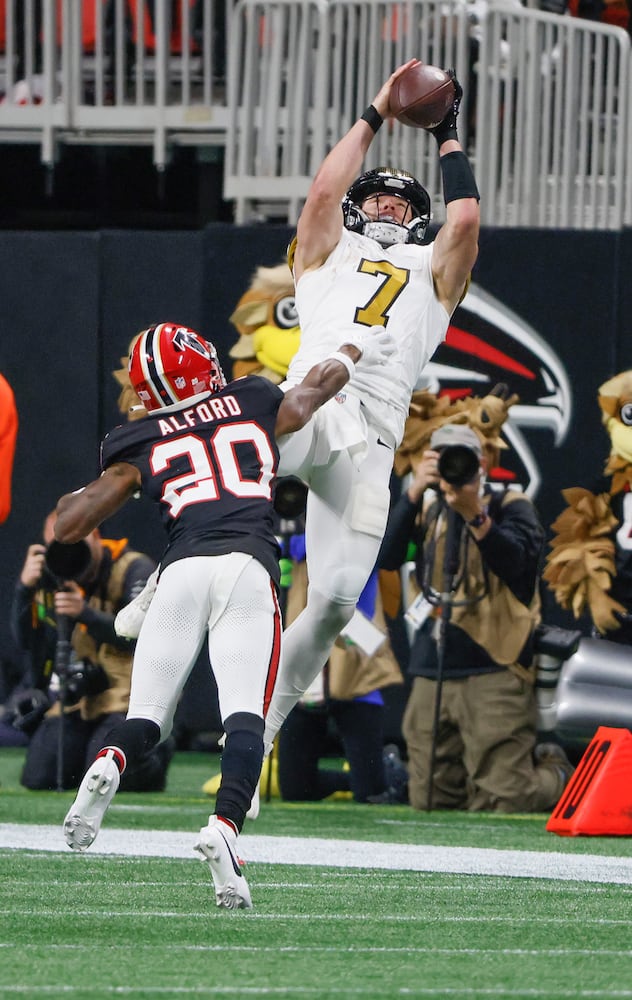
(96, 791)
(217, 845)
(129, 620)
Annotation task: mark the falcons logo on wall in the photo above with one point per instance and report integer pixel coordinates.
(486, 344)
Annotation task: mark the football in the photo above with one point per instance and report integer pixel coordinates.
(422, 96)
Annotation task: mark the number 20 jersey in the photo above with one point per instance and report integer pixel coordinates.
(210, 467)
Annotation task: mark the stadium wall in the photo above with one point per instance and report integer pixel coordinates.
(72, 301)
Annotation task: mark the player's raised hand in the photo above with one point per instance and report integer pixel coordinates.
(376, 344)
(381, 101)
(446, 129)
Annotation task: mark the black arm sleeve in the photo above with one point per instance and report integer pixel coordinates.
(136, 578)
(100, 624)
(399, 531)
(513, 548)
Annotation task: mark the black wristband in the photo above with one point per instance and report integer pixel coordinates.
(372, 118)
(458, 178)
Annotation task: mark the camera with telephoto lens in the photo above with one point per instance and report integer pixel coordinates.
(458, 464)
(557, 642)
(290, 498)
(552, 646)
(83, 678)
(80, 678)
(66, 562)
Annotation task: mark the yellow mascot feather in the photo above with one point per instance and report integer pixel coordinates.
(266, 321)
(128, 402)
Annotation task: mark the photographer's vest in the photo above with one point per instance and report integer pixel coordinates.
(117, 663)
(490, 613)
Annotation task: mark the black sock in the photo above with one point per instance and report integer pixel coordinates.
(241, 766)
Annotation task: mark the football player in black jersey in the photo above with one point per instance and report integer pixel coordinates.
(207, 454)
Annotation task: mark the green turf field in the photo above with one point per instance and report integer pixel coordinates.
(99, 925)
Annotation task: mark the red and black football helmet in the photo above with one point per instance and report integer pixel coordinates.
(172, 364)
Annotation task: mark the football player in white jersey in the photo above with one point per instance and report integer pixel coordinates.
(358, 259)
(206, 454)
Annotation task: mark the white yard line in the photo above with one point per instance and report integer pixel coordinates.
(339, 853)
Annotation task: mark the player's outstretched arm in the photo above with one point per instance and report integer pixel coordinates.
(456, 246)
(80, 512)
(370, 346)
(320, 222)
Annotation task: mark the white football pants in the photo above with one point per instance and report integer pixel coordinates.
(347, 510)
(231, 596)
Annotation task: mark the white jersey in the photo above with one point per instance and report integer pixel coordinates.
(361, 284)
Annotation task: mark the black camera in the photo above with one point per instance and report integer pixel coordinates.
(290, 497)
(551, 640)
(67, 562)
(83, 678)
(458, 464)
(26, 709)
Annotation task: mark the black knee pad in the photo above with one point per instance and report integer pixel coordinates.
(245, 722)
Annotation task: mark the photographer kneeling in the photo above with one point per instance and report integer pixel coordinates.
(470, 719)
(62, 616)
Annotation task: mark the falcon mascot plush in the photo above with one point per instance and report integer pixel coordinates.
(267, 323)
(428, 411)
(265, 319)
(589, 567)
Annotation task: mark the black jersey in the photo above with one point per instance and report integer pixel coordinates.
(210, 467)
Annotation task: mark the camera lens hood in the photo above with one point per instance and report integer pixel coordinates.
(67, 562)
(458, 464)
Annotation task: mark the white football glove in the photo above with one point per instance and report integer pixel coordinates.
(375, 342)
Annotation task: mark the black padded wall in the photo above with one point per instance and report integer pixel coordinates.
(72, 301)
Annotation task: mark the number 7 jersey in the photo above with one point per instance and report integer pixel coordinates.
(210, 467)
(363, 284)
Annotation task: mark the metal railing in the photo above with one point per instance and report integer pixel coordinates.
(546, 117)
(114, 71)
(547, 124)
(553, 122)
